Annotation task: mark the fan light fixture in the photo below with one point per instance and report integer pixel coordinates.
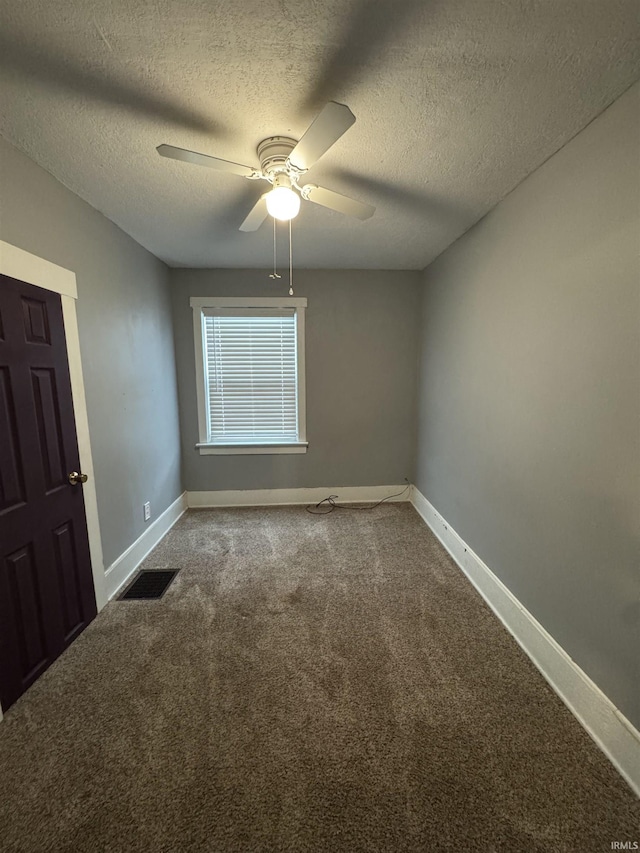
(282, 202)
(284, 162)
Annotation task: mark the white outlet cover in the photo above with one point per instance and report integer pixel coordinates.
(147, 511)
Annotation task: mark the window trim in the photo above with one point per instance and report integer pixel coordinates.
(199, 305)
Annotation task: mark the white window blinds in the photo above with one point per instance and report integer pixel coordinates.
(250, 361)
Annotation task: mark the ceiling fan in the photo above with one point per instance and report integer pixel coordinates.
(283, 163)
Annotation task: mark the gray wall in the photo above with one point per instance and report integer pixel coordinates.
(361, 359)
(529, 406)
(126, 341)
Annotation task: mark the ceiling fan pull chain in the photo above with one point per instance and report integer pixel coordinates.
(290, 263)
(274, 274)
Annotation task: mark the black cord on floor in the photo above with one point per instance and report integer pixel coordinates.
(329, 503)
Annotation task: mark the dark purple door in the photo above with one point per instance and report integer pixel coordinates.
(46, 585)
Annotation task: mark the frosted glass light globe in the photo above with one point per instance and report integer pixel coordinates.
(283, 203)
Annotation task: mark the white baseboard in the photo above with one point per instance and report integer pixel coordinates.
(606, 725)
(121, 569)
(288, 497)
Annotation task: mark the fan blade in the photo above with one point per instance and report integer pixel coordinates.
(204, 160)
(336, 201)
(421, 202)
(326, 128)
(257, 215)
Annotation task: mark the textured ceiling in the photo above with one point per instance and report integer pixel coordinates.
(456, 102)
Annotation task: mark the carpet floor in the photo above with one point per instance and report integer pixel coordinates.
(307, 683)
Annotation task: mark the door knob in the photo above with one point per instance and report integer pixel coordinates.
(75, 478)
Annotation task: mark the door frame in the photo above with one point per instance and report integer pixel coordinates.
(22, 265)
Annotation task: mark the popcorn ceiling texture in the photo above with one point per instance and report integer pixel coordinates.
(456, 102)
(309, 684)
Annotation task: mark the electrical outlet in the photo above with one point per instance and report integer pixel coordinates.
(147, 510)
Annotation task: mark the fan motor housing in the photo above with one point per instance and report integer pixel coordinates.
(273, 153)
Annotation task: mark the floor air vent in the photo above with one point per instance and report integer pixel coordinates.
(149, 584)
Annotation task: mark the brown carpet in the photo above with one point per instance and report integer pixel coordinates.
(306, 684)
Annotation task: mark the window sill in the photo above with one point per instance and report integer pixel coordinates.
(206, 449)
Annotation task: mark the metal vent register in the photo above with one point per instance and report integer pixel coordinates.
(149, 584)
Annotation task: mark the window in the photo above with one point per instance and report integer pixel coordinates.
(250, 374)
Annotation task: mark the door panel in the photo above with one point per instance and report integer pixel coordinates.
(45, 399)
(36, 323)
(68, 578)
(12, 492)
(28, 607)
(46, 583)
